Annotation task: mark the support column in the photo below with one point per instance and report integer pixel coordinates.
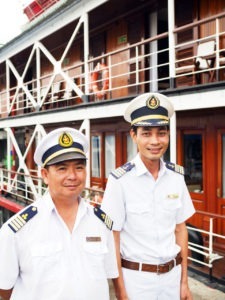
(85, 128)
(38, 78)
(171, 24)
(86, 55)
(173, 144)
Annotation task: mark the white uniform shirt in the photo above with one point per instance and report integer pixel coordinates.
(44, 261)
(146, 211)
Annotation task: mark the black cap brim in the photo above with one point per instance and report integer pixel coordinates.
(65, 157)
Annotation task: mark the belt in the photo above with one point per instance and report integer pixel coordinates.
(159, 269)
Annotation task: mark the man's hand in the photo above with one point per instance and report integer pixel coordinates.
(6, 294)
(185, 293)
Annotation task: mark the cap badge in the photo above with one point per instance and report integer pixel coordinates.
(152, 102)
(65, 140)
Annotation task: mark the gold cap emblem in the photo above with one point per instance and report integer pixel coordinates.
(65, 140)
(152, 102)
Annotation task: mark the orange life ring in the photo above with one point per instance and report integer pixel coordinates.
(96, 80)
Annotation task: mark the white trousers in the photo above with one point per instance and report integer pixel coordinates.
(150, 286)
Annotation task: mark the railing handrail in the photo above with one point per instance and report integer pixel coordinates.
(151, 39)
(200, 22)
(20, 173)
(212, 215)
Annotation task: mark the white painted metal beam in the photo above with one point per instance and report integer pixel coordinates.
(197, 99)
(78, 114)
(189, 101)
(47, 26)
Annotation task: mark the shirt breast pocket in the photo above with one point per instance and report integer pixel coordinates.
(46, 260)
(95, 253)
(171, 206)
(139, 217)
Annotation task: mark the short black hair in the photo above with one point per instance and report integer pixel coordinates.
(81, 161)
(134, 128)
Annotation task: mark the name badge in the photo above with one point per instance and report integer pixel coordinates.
(173, 196)
(93, 239)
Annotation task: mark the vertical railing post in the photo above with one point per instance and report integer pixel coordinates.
(210, 236)
(110, 74)
(137, 69)
(217, 48)
(210, 247)
(171, 22)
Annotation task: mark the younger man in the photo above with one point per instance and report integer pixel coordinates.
(149, 203)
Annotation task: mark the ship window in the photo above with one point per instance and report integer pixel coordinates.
(96, 156)
(109, 154)
(193, 162)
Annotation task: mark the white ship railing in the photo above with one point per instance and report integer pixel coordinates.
(138, 70)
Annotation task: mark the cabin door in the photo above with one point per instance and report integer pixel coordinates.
(201, 150)
(192, 157)
(220, 186)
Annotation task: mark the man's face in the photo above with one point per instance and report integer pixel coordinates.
(66, 180)
(152, 142)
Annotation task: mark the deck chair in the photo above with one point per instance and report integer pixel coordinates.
(222, 59)
(68, 94)
(205, 59)
(68, 91)
(202, 63)
(56, 92)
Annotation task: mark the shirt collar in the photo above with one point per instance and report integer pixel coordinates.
(141, 168)
(82, 211)
(139, 165)
(50, 206)
(163, 168)
(82, 208)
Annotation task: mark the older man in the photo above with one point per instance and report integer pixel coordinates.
(58, 248)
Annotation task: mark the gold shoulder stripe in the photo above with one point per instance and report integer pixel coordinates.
(20, 219)
(103, 217)
(174, 167)
(119, 172)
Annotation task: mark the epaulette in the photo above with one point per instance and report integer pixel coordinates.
(21, 219)
(119, 172)
(103, 217)
(174, 167)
